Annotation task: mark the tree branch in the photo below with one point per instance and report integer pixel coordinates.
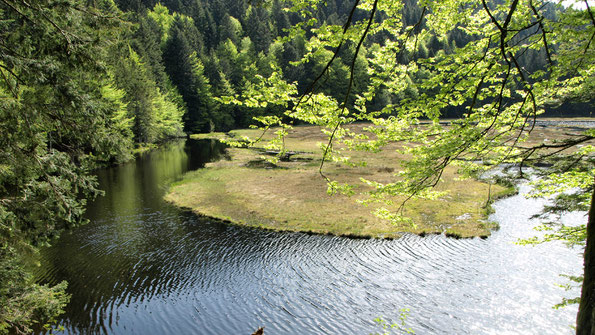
(350, 86)
(310, 89)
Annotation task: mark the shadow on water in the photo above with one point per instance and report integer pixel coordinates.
(103, 261)
(142, 266)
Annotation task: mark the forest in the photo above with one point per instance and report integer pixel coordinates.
(87, 84)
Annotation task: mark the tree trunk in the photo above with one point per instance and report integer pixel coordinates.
(585, 320)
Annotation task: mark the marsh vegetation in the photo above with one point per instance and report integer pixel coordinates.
(291, 195)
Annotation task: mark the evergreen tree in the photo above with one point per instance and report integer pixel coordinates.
(258, 29)
(156, 116)
(230, 63)
(203, 19)
(59, 115)
(280, 19)
(146, 41)
(200, 116)
(133, 77)
(231, 29)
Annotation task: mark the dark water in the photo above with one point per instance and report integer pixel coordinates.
(144, 267)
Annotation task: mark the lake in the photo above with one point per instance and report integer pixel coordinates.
(142, 266)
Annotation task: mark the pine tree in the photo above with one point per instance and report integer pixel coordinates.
(257, 28)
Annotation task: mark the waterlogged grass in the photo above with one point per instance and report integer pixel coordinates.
(292, 196)
(209, 136)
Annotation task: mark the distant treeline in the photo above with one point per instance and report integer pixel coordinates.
(195, 51)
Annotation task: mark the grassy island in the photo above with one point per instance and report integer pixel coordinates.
(245, 189)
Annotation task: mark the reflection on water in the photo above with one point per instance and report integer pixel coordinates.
(144, 267)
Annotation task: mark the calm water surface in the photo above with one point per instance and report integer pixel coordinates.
(142, 266)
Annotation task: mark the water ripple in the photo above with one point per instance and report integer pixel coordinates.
(143, 267)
